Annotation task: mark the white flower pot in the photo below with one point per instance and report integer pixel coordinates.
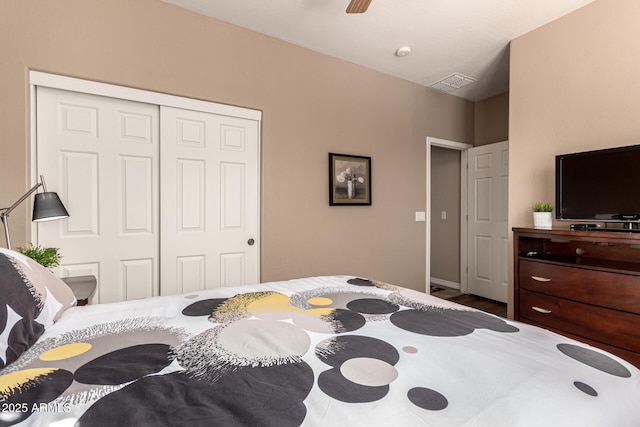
(542, 220)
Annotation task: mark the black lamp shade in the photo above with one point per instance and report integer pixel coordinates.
(47, 207)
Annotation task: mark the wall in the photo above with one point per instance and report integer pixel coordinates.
(491, 122)
(571, 89)
(445, 233)
(312, 104)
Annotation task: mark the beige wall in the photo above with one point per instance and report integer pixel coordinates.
(445, 196)
(571, 89)
(491, 122)
(312, 104)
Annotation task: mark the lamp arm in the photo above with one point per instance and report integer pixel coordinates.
(5, 226)
(4, 215)
(8, 210)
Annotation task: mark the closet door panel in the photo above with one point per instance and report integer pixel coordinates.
(79, 179)
(209, 221)
(189, 195)
(232, 195)
(108, 158)
(100, 155)
(137, 201)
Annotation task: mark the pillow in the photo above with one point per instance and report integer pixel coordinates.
(31, 299)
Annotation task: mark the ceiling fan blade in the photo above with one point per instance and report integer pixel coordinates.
(358, 6)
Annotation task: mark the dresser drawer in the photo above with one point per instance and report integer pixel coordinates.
(596, 323)
(614, 290)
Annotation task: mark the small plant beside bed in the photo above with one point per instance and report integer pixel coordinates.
(47, 257)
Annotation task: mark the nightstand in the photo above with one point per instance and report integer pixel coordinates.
(83, 287)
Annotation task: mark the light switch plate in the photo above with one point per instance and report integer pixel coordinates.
(420, 216)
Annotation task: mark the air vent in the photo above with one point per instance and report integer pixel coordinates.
(452, 82)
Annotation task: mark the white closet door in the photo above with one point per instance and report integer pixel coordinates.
(209, 203)
(101, 156)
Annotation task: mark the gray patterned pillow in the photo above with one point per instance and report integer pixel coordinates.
(31, 299)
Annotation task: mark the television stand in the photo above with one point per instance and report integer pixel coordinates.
(631, 226)
(616, 230)
(581, 284)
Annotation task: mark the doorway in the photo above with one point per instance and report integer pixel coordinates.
(483, 186)
(461, 148)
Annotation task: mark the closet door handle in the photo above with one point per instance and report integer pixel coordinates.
(541, 310)
(540, 279)
(250, 242)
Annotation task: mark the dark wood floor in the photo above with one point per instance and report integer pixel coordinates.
(484, 304)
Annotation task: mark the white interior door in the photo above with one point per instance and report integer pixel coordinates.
(488, 178)
(101, 155)
(209, 203)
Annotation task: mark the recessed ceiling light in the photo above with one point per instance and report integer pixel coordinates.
(403, 51)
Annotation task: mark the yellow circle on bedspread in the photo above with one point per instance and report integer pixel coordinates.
(320, 312)
(9, 383)
(320, 301)
(274, 302)
(66, 351)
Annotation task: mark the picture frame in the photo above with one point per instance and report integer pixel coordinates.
(349, 180)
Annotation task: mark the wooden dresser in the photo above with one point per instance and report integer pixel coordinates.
(581, 284)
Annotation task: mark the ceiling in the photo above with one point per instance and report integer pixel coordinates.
(468, 37)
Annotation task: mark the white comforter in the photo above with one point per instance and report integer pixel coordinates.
(319, 351)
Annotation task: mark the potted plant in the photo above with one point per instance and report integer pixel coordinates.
(542, 215)
(48, 257)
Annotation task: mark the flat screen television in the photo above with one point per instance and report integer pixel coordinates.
(599, 186)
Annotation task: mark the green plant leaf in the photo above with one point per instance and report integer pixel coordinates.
(542, 207)
(48, 257)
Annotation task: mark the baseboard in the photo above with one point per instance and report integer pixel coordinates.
(445, 283)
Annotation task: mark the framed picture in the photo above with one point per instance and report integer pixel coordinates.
(349, 180)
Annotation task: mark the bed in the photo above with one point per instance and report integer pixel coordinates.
(335, 350)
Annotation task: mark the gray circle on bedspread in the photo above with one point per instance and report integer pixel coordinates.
(595, 359)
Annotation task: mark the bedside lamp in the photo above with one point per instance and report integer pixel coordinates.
(47, 206)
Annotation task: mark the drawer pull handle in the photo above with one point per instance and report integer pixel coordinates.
(541, 310)
(540, 279)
